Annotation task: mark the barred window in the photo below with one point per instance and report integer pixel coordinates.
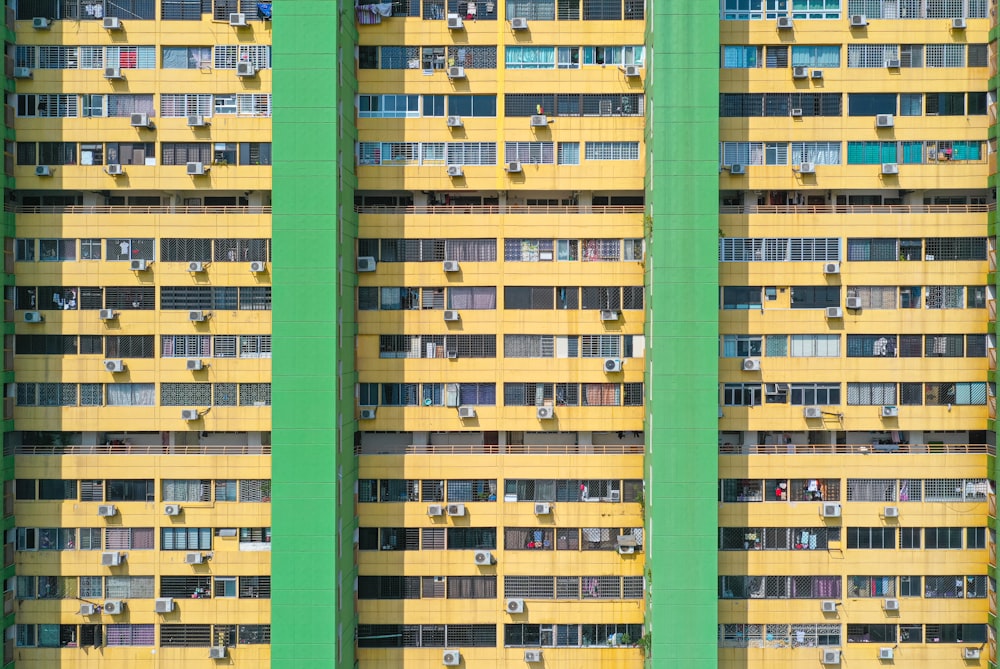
(601, 394)
(56, 105)
(185, 346)
(530, 153)
(945, 55)
(470, 57)
(187, 587)
(173, 105)
(129, 346)
(226, 56)
(185, 394)
(186, 490)
(956, 248)
(874, 297)
(871, 537)
(600, 297)
(797, 249)
(129, 538)
(871, 586)
(871, 55)
(871, 394)
(185, 250)
(255, 394)
(471, 153)
(871, 490)
(633, 394)
(611, 151)
(741, 153)
(185, 636)
(945, 297)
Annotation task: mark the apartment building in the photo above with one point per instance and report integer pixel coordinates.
(138, 339)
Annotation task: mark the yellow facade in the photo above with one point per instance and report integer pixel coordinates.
(211, 467)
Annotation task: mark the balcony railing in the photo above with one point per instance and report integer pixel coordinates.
(132, 209)
(859, 209)
(506, 209)
(481, 449)
(107, 449)
(856, 449)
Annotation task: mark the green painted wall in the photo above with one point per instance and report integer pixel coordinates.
(682, 134)
(314, 227)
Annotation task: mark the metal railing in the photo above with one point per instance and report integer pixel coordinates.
(856, 449)
(505, 209)
(132, 209)
(481, 449)
(131, 449)
(859, 209)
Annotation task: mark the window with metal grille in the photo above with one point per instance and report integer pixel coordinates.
(601, 394)
(945, 55)
(472, 57)
(871, 55)
(255, 490)
(181, 153)
(91, 586)
(128, 538)
(529, 346)
(600, 297)
(227, 56)
(874, 297)
(255, 298)
(56, 153)
(223, 298)
(472, 490)
(130, 490)
(185, 346)
(967, 394)
(185, 394)
(611, 151)
(255, 394)
(130, 249)
(255, 535)
(185, 250)
(956, 248)
(45, 345)
(944, 346)
(186, 490)
(92, 490)
(186, 587)
(55, 105)
(530, 153)
(871, 490)
(129, 587)
(90, 538)
(871, 394)
(398, 490)
(185, 636)
(57, 394)
(871, 633)
(129, 346)
(177, 105)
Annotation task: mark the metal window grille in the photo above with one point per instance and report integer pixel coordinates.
(529, 587)
(255, 394)
(472, 57)
(530, 153)
(226, 56)
(871, 490)
(125, 538)
(741, 635)
(255, 298)
(633, 297)
(185, 394)
(187, 587)
(185, 250)
(255, 490)
(186, 490)
(611, 151)
(871, 55)
(944, 587)
(48, 106)
(129, 346)
(92, 490)
(223, 346)
(956, 248)
(185, 346)
(945, 55)
(432, 538)
(634, 394)
(185, 636)
(871, 394)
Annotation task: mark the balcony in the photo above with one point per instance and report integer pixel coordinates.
(857, 449)
(801, 209)
(138, 449)
(133, 209)
(494, 449)
(465, 210)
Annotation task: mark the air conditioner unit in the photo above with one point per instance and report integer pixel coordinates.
(785, 23)
(751, 364)
(456, 509)
(196, 316)
(246, 69)
(519, 23)
(455, 22)
(796, 112)
(831, 268)
(890, 604)
(113, 72)
(106, 314)
(830, 510)
(22, 73)
(531, 656)
(455, 171)
(736, 169)
(139, 120)
(467, 412)
(196, 266)
(217, 653)
(890, 412)
(111, 559)
(451, 658)
(970, 653)
(107, 510)
(87, 609)
(40, 23)
(775, 388)
(138, 265)
(859, 20)
(853, 302)
(514, 168)
(450, 315)
(456, 72)
(43, 171)
(884, 121)
(366, 264)
(172, 509)
(807, 168)
(196, 169)
(631, 71)
(114, 365)
(455, 122)
(890, 512)
(514, 605)
(890, 168)
(544, 413)
(190, 414)
(799, 72)
(612, 365)
(33, 317)
(164, 604)
(812, 412)
(194, 558)
(368, 414)
(113, 607)
(435, 510)
(834, 312)
(828, 606)
(257, 266)
(539, 121)
(829, 656)
(238, 19)
(885, 653)
(609, 314)
(615, 496)
(817, 74)
(542, 509)
(115, 170)
(625, 549)
(112, 23)
(450, 266)
(197, 121)
(958, 24)
(892, 63)
(482, 558)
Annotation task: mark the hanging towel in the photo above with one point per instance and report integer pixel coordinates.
(367, 16)
(382, 9)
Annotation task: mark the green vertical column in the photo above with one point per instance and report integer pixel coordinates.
(9, 231)
(314, 226)
(682, 134)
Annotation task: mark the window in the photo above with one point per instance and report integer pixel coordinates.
(815, 393)
(945, 104)
(956, 633)
(48, 106)
(226, 56)
(815, 297)
(871, 55)
(741, 297)
(871, 633)
(130, 490)
(128, 538)
(741, 57)
(611, 151)
(187, 57)
(530, 153)
(186, 490)
(815, 346)
(870, 104)
(909, 586)
(741, 394)
(871, 537)
(185, 538)
(815, 56)
(943, 537)
(871, 394)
